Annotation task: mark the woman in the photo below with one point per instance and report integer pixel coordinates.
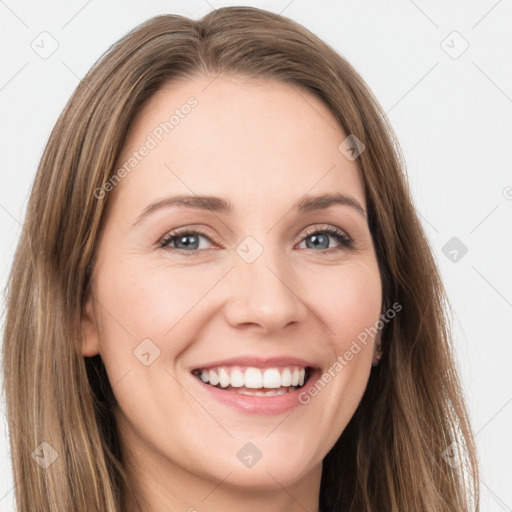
(222, 298)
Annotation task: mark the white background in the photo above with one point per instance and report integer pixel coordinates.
(451, 115)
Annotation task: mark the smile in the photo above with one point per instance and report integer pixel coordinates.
(255, 381)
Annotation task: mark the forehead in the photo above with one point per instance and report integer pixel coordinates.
(251, 139)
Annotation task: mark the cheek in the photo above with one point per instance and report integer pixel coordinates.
(156, 302)
(349, 301)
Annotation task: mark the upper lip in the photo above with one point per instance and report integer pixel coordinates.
(256, 362)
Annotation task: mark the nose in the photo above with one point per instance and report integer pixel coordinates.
(264, 295)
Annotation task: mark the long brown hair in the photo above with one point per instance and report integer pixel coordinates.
(398, 452)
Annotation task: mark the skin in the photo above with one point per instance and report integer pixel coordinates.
(262, 145)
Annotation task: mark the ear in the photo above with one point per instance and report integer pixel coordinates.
(377, 350)
(90, 337)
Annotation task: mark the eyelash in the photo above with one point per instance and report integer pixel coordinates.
(345, 241)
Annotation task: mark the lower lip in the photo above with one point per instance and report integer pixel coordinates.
(262, 405)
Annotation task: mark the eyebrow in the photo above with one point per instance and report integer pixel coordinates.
(223, 206)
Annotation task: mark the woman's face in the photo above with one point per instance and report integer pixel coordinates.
(257, 294)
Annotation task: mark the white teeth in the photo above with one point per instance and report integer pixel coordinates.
(253, 378)
(272, 378)
(250, 393)
(237, 378)
(270, 392)
(286, 377)
(213, 377)
(224, 378)
(269, 380)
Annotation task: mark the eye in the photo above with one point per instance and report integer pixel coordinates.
(319, 238)
(184, 240)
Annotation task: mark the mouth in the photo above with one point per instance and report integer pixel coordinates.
(255, 381)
